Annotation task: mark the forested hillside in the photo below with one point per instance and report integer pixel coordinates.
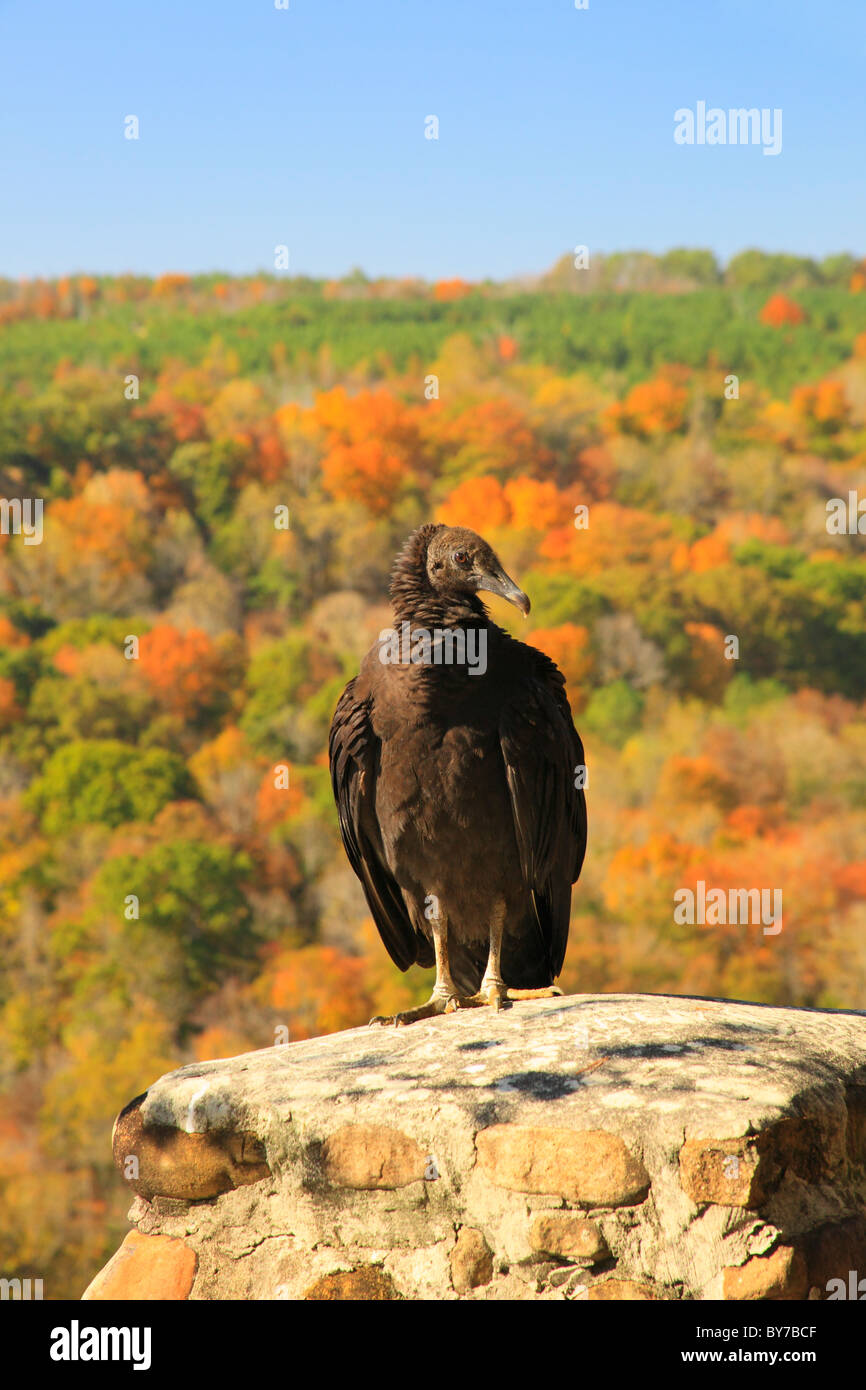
(227, 468)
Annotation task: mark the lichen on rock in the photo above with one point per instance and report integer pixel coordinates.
(608, 1147)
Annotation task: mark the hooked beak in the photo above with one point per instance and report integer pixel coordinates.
(499, 583)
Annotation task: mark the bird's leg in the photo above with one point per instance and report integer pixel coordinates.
(444, 995)
(493, 989)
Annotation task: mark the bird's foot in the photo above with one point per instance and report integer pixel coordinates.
(495, 993)
(436, 1004)
(492, 993)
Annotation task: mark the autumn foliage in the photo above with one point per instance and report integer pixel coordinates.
(182, 670)
(780, 311)
(215, 563)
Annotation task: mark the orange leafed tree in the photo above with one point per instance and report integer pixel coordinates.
(825, 405)
(696, 782)
(857, 283)
(704, 554)
(779, 310)
(378, 414)
(276, 803)
(713, 550)
(99, 528)
(615, 536)
(372, 437)
(640, 878)
(650, 408)
(568, 646)
(366, 472)
(851, 881)
(451, 289)
(10, 635)
(171, 283)
(97, 546)
(753, 526)
(535, 505)
(317, 989)
(183, 670)
(87, 287)
(476, 503)
(484, 503)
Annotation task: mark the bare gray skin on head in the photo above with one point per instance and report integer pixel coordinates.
(460, 562)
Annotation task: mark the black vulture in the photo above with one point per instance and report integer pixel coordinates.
(458, 777)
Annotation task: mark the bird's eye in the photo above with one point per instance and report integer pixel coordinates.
(460, 557)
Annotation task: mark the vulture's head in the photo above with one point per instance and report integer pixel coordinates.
(460, 563)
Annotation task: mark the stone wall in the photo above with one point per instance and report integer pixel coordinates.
(588, 1147)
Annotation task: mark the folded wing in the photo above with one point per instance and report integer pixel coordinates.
(543, 756)
(354, 757)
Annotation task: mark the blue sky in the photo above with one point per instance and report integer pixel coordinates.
(306, 127)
